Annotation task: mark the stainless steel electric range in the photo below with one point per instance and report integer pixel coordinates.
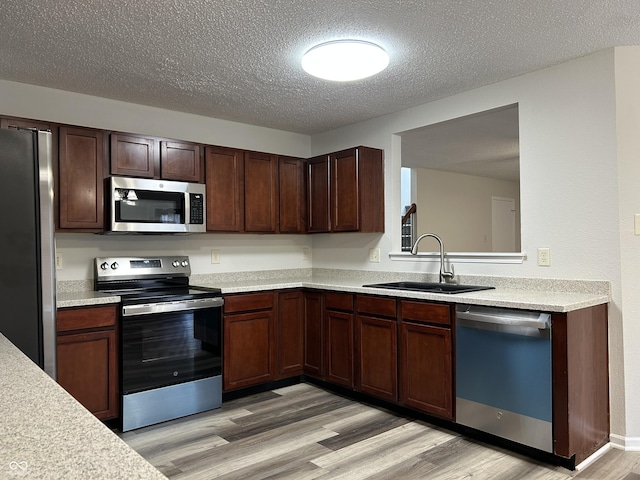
(171, 338)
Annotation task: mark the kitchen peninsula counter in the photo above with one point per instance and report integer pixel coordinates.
(45, 433)
(550, 295)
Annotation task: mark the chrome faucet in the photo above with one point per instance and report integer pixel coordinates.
(445, 276)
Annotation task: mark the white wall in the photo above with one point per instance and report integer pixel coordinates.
(458, 208)
(569, 186)
(39, 103)
(627, 70)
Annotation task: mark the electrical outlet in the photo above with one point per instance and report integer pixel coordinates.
(374, 255)
(58, 262)
(306, 253)
(544, 257)
(215, 256)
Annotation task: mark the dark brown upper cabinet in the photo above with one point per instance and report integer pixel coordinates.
(224, 169)
(150, 157)
(134, 156)
(318, 199)
(260, 192)
(81, 178)
(346, 191)
(292, 195)
(181, 161)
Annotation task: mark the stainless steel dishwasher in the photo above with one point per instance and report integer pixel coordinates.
(503, 373)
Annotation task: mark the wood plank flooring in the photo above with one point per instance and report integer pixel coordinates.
(303, 432)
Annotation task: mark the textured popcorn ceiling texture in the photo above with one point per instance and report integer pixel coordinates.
(240, 60)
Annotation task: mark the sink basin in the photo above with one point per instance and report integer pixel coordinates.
(429, 287)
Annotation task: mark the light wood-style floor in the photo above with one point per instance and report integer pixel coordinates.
(303, 432)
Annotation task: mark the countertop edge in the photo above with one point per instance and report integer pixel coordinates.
(560, 302)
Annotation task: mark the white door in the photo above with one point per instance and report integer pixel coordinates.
(503, 224)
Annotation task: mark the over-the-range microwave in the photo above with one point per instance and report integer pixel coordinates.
(139, 205)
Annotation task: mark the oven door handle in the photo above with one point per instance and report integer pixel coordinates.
(166, 307)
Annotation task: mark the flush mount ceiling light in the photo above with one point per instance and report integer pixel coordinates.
(345, 60)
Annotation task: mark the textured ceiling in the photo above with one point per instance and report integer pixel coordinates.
(240, 60)
(485, 144)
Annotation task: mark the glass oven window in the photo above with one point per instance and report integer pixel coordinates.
(145, 206)
(169, 348)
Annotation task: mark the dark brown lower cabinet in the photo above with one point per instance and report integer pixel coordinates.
(249, 346)
(339, 348)
(338, 331)
(580, 382)
(290, 334)
(426, 358)
(313, 334)
(376, 347)
(87, 362)
(376, 340)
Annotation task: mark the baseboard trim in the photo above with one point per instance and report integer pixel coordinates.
(628, 444)
(593, 457)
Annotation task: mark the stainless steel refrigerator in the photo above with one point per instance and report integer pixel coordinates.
(27, 270)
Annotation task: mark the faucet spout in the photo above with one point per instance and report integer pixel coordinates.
(444, 274)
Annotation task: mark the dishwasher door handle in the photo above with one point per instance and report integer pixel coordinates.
(513, 319)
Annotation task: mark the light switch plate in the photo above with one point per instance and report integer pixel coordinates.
(374, 255)
(215, 256)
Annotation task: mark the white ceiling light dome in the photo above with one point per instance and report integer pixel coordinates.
(345, 60)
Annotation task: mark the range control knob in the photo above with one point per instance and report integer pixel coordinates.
(104, 265)
(185, 263)
(176, 263)
(114, 265)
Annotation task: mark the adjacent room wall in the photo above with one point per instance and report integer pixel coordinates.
(464, 221)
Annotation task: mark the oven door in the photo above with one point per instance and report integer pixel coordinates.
(170, 343)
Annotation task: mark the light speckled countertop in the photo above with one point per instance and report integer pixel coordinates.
(548, 295)
(46, 434)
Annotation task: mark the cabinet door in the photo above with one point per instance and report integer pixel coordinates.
(248, 349)
(292, 196)
(290, 334)
(426, 369)
(181, 161)
(224, 169)
(313, 335)
(339, 347)
(344, 192)
(318, 194)
(376, 346)
(133, 156)
(260, 192)
(87, 369)
(80, 179)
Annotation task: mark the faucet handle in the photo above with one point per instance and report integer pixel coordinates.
(448, 275)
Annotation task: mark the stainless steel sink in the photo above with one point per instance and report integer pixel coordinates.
(429, 287)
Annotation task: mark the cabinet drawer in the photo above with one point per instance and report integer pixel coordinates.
(338, 301)
(378, 306)
(248, 302)
(425, 312)
(84, 318)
